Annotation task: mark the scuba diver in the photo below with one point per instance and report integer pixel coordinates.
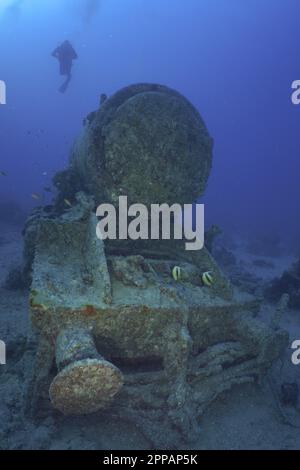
(65, 55)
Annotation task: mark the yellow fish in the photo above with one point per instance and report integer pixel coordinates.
(208, 279)
(176, 273)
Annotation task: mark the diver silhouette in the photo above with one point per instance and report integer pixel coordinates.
(65, 55)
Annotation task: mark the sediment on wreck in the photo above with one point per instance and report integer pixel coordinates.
(110, 315)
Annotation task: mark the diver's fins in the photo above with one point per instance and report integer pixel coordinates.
(65, 85)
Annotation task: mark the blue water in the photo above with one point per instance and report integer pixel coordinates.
(235, 60)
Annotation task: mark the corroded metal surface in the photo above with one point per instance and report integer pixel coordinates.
(85, 386)
(171, 346)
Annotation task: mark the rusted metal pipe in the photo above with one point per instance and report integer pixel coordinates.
(86, 382)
